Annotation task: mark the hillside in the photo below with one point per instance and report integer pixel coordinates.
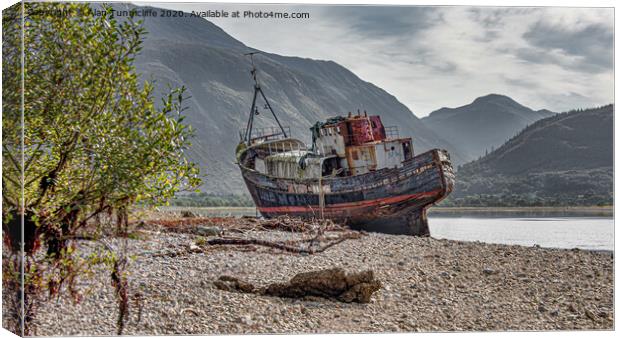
(482, 125)
(566, 159)
(193, 52)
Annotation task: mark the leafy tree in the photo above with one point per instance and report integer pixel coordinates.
(94, 144)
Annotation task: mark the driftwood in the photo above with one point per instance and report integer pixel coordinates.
(297, 246)
(241, 224)
(332, 284)
(216, 228)
(283, 246)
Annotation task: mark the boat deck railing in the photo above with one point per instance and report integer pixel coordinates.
(267, 133)
(278, 145)
(391, 132)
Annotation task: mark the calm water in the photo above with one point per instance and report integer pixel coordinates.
(588, 233)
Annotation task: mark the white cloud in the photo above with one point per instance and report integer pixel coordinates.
(444, 56)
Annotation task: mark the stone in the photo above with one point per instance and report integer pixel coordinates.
(591, 315)
(247, 320)
(488, 271)
(188, 214)
(572, 308)
(228, 283)
(208, 231)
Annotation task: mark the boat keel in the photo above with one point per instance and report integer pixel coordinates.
(417, 224)
(413, 224)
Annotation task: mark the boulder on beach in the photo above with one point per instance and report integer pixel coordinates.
(332, 284)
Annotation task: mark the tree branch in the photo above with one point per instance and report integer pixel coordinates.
(281, 246)
(13, 160)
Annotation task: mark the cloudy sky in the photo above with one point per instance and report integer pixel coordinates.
(433, 57)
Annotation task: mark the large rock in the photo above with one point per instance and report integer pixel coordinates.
(330, 283)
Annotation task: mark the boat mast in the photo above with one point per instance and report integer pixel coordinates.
(254, 110)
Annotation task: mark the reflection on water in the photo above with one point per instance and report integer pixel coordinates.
(589, 233)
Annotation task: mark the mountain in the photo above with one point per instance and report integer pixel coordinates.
(566, 159)
(193, 52)
(482, 125)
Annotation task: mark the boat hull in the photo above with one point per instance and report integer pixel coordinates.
(391, 200)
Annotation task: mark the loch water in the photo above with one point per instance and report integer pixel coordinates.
(567, 232)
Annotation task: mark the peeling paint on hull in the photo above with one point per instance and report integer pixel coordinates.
(392, 200)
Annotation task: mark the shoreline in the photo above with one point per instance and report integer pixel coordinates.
(536, 246)
(576, 210)
(469, 215)
(439, 209)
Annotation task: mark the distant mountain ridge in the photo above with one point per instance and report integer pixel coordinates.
(566, 159)
(193, 52)
(482, 125)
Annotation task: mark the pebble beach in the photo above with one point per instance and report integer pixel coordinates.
(427, 285)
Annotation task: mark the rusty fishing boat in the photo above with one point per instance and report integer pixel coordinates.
(357, 171)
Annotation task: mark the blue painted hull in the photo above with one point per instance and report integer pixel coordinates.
(392, 200)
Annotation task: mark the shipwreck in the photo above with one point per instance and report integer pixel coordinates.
(356, 171)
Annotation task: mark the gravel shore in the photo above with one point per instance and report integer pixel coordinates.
(428, 285)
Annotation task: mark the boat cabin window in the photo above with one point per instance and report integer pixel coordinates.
(331, 166)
